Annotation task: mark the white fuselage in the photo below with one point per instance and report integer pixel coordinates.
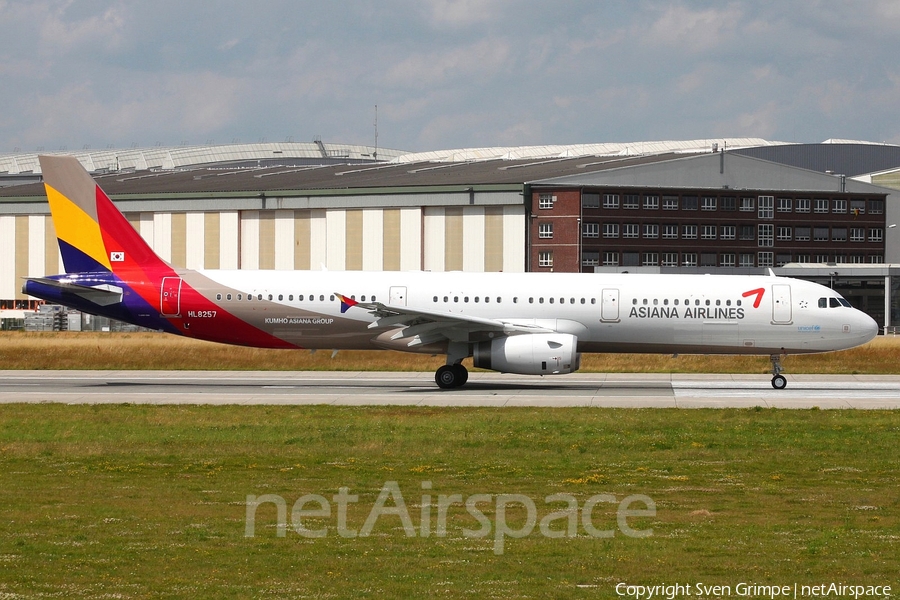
(606, 312)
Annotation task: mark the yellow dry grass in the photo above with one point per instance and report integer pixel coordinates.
(154, 351)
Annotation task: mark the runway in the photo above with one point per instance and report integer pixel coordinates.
(419, 389)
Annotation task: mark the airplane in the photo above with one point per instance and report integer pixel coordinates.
(524, 323)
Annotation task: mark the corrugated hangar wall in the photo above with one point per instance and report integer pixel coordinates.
(435, 238)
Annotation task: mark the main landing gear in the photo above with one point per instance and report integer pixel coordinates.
(778, 380)
(451, 376)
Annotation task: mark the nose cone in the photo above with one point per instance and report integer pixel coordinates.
(867, 328)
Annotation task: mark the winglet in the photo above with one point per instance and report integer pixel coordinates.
(346, 303)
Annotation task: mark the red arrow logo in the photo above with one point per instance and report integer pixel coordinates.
(758, 292)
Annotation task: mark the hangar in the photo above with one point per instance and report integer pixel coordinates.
(314, 206)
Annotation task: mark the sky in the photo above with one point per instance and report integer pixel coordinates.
(444, 73)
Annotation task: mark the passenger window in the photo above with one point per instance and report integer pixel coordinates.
(240, 297)
(634, 301)
(487, 299)
(435, 299)
(582, 300)
(218, 296)
(476, 299)
(280, 297)
(499, 299)
(728, 303)
(445, 298)
(571, 300)
(456, 298)
(737, 302)
(551, 300)
(593, 301)
(364, 298)
(259, 297)
(228, 296)
(249, 297)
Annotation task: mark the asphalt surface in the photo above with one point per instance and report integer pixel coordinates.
(419, 389)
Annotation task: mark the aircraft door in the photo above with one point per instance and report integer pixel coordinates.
(781, 303)
(170, 297)
(609, 305)
(398, 295)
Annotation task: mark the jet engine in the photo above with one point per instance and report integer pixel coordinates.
(529, 354)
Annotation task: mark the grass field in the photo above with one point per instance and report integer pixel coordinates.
(146, 501)
(158, 351)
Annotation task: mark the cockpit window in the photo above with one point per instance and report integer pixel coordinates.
(834, 303)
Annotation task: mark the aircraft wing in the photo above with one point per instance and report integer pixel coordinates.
(422, 326)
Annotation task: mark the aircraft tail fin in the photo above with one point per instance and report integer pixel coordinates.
(93, 235)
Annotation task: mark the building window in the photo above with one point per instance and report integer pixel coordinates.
(630, 201)
(670, 232)
(689, 259)
(630, 230)
(591, 230)
(747, 260)
(729, 232)
(766, 207)
(545, 230)
(765, 236)
(727, 259)
(670, 202)
(840, 259)
(857, 207)
(857, 234)
(784, 234)
(651, 231)
(876, 259)
(729, 203)
(545, 201)
(747, 232)
(631, 259)
(839, 234)
(590, 200)
(802, 205)
(840, 206)
(784, 205)
(590, 258)
(820, 205)
(820, 234)
(545, 258)
(707, 259)
(610, 201)
(610, 259)
(708, 203)
(708, 232)
(822, 258)
(876, 234)
(803, 258)
(747, 205)
(876, 207)
(858, 259)
(670, 259)
(651, 202)
(766, 259)
(689, 232)
(689, 203)
(610, 230)
(650, 259)
(801, 234)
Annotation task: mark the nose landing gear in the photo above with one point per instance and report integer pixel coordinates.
(778, 380)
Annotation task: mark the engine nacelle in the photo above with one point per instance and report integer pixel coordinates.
(529, 354)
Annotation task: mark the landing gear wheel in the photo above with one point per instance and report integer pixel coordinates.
(778, 380)
(451, 376)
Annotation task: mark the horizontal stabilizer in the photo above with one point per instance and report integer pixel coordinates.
(101, 295)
